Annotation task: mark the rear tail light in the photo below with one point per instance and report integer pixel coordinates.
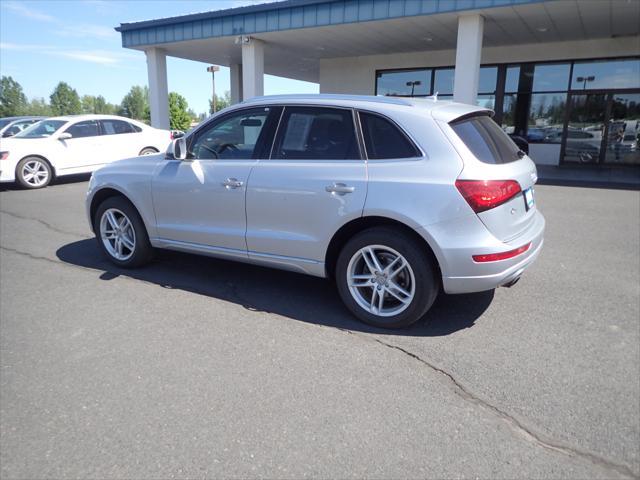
(4, 155)
(484, 195)
(170, 135)
(494, 257)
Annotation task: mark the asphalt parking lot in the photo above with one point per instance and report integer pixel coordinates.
(196, 367)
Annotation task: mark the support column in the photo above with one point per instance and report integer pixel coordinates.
(158, 90)
(235, 73)
(252, 67)
(468, 53)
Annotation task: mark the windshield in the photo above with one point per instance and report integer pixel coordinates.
(43, 128)
(4, 123)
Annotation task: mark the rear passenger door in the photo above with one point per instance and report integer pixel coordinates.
(120, 139)
(314, 182)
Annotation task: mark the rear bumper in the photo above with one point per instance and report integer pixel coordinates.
(460, 274)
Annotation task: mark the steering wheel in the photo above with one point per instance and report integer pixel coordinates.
(226, 146)
(210, 150)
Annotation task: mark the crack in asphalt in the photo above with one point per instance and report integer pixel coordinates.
(458, 388)
(45, 224)
(464, 393)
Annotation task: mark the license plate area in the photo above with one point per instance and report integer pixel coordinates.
(529, 201)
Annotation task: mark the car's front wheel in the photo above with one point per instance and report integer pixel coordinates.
(386, 278)
(33, 172)
(121, 233)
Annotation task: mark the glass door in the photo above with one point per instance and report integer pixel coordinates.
(623, 134)
(583, 135)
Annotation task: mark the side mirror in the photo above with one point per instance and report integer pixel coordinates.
(65, 136)
(179, 148)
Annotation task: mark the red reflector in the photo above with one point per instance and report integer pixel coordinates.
(494, 257)
(484, 195)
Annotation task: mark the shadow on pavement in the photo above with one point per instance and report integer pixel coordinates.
(80, 177)
(300, 297)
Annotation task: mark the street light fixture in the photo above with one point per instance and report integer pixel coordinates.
(413, 85)
(584, 80)
(213, 69)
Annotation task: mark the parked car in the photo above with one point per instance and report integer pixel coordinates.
(74, 144)
(394, 198)
(10, 126)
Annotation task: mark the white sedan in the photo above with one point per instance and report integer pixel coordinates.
(75, 144)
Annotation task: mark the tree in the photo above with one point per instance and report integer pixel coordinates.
(100, 105)
(38, 107)
(88, 104)
(12, 98)
(221, 102)
(135, 104)
(65, 100)
(179, 118)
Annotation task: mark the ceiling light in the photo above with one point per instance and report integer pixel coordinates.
(542, 29)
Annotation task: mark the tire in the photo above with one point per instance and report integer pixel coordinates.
(127, 244)
(147, 151)
(417, 280)
(33, 172)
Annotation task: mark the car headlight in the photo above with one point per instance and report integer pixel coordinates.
(4, 155)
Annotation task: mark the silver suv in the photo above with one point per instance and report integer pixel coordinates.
(393, 198)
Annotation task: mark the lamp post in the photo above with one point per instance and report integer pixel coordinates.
(584, 80)
(213, 69)
(413, 85)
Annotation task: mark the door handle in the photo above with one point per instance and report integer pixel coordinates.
(232, 183)
(339, 188)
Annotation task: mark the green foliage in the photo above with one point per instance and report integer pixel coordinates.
(38, 107)
(179, 118)
(12, 98)
(65, 100)
(91, 104)
(135, 104)
(221, 102)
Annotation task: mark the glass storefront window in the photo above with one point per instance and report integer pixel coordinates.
(546, 117)
(486, 101)
(549, 78)
(606, 74)
(538, 78)
(404, 82)
(513, 77)
(623, 139)
(443, 83)
(509, 112)
(488, 80)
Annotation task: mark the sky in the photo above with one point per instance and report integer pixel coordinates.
(43, 42)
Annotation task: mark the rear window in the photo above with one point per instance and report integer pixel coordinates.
(486, 140)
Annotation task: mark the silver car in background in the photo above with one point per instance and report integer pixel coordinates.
(396, 199)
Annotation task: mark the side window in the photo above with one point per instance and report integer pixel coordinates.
(18, 127)
(88, 128)
(316, 133)
(383, 140)
(235, 136)
(116, 127)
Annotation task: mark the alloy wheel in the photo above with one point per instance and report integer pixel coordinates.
(117, 234)
(381, 280)
(35, 173)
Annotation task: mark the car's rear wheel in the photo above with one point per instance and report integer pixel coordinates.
(148, 151)
(121, 233)
(33, 172)
(386, 278)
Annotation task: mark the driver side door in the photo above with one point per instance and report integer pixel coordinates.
(200, 202)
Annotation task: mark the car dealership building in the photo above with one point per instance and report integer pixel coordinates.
(564, 74)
